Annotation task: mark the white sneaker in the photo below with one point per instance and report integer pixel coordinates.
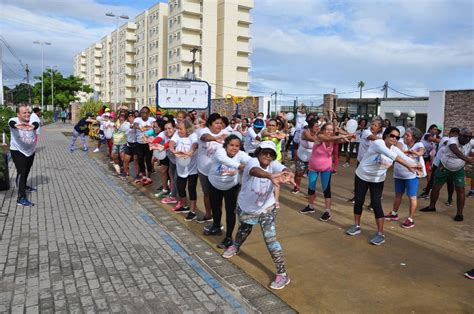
(345, 165)
(96, 150)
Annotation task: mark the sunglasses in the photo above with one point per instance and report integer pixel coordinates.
(394, 136)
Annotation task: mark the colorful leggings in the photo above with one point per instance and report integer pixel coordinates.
(325, 182)
(267, 223)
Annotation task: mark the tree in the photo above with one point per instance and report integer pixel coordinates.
(361, 85)
(64, 88)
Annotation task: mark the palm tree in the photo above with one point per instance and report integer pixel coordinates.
(361, 85)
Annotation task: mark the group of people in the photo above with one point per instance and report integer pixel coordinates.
(242, 163)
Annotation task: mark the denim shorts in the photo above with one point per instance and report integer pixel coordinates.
(117, 149)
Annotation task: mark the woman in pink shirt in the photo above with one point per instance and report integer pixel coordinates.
(320, 165)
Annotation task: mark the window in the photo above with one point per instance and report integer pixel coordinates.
(179, 35)
(177, 68)
(169, 69)
(179, 19)
(178, 51)
(169, 54)
(171, 23)
(170, 39)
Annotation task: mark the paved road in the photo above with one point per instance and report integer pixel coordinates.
(91, 245)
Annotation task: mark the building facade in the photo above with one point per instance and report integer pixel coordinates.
(206, 40)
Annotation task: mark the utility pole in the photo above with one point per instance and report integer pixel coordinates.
(27, 70)
(276, 95)
(385, 90)
(194, 51)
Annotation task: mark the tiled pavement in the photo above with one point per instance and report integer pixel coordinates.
(90, 245)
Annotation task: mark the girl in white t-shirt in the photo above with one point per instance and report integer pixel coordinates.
(305, 147)
(224, 179)
(404, 179)
(184, 145)
(257, 205)
(371, 173)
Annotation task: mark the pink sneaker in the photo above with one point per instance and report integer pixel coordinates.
(409, 223)
(169, 200)
(178, 206)
(280, 282)
(391, 217)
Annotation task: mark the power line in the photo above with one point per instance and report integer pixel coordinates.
(401, 93)
(2, 39)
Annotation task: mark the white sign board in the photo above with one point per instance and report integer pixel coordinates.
(182, 94)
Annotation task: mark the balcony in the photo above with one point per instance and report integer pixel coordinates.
(129, 72)
(243, 32)
(243, 62)
(192, 40)
(129, 83)
(192, 8)
(244, 18)
(129, 48)
(129, 95)
(97, 63)
(97, 72)
(191, 23)
(247, 4)
(129, 60)
(130, 37)
(97, 81)
(244, 48)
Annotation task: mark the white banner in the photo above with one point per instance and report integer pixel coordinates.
(183, 94)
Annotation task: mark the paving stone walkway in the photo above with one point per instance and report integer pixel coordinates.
(90, 244)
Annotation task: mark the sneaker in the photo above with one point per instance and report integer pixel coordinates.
(325, 216)
(203, 219)
(31, 189)
(169, 200)
(469, 274)
(182, 210)
(307, 210)
(346, 165)
(391, 216)
(231, 251)
(179, 205)
(71, 150)
(280, 282)
(353, 230)
(85, 149)
(277, 205)
(190, 216)
(428, 209)
(471, 193)
(378, 239)
(295, 190)
(458, 217)
(162, 193)
(212, 231)
(424, 195)
(352, 200)
(24, 202)
(225, 243)
(409, 223)
(448, 203)
(117, 169)
(96, 150)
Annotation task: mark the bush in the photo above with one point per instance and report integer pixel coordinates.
(90, 106)
(5, 114)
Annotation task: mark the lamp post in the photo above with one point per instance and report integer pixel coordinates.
(117, 18)
(52, 84)
(42, 43)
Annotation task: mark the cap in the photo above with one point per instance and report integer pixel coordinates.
(269, 145)
(107, 110)
(158, 113)
(258, 123)
(106, 114)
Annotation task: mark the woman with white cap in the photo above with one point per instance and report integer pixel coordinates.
(257, 205)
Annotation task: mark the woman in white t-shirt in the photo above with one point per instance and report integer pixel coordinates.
(257, 205)
(305, 148)
(370, 175)
(224, 179)
(210, 139)
(407, 180)
(144, 154)
(184, 145)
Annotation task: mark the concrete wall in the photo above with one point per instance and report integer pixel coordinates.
(459, 109)
(435, 108)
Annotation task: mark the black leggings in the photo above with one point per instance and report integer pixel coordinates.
(191, 180)
(449, 184)
(23, 166)
(230, 197)
(376, 190)
(144, 155)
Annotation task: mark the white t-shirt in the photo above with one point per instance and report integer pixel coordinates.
(451, 161)
(142, 124)
(251, 143)
(256, 194)
(34, 118)
(305, 149)
(206, 150)
(365, 143)
(441, 150)
(300, 119)
(171, 156)
(401, 172)
(108, 128)
(376, 161)
(224, 172)
(184, 144)
(23, 141)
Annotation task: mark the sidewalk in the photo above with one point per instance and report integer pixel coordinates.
(90, 245)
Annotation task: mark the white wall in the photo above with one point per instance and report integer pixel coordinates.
(436, 108)
(389, 106)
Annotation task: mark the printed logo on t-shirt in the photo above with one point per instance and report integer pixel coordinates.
(224, 170)
(261, 188)
(26, 136)
(383, 161)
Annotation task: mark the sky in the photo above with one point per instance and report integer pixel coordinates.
(301, 48)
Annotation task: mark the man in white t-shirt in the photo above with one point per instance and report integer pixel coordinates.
(22, 149)
(452, 167)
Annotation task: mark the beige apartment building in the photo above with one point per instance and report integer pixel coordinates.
(150, 56)
(211, 38)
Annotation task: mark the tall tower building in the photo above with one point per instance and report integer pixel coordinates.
(150, 52)
(105, 71)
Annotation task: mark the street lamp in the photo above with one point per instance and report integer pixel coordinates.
(42, 43)
(117, 18)
(52, 85)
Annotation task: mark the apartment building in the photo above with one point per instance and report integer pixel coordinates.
(210, 38)
(150, 52)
